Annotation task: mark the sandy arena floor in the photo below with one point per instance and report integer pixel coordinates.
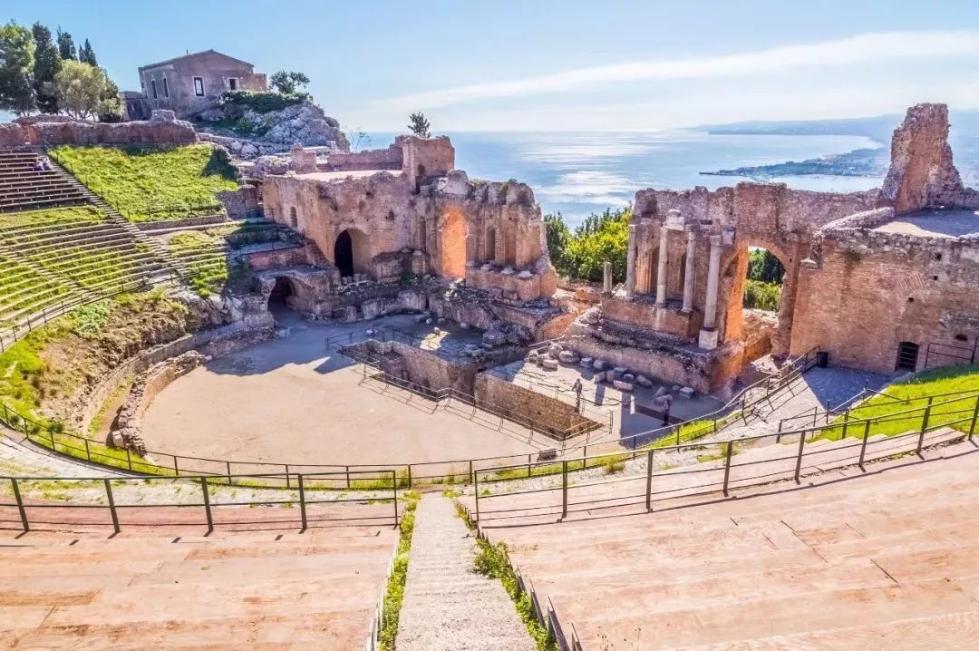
(291, 400)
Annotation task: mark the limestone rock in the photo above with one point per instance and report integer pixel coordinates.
(549, 364)
(644, 381)
(622, 385)
(567, 356)
(686, 392)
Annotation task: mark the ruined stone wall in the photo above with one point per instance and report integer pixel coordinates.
(13, 135)
(243, 203)
(554, 417)
(161, 131)
(373, 159)
(872, 290)
(922, 174)
(491, 234)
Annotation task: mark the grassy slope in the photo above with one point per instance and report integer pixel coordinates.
(152, 184)
(901, 409)
(73, 215)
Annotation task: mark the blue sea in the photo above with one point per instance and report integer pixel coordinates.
(577, 174)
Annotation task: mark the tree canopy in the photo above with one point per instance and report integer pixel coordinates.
(16, 68)
(66, 46)
(81, 90)
(581, 255)
(289, 82)
(87, 55)
(47, 63)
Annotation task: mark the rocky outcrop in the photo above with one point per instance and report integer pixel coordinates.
(922, 174)
(277, 131)
(162, 129)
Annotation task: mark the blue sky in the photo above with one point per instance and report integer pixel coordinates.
(548, 65)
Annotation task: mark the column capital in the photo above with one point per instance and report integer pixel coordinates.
(716, 240)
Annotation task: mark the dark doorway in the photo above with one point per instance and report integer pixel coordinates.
(343, 254)
(280, 293)
(907, 356)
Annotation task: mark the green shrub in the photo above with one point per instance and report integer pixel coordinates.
(261, 102)
(759, 295)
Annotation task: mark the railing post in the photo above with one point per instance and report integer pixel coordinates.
(798, 461)
(470, 471)
(176, 467)
(528, 464)
(228, 468)
(863, 446)
(564, 489)
(347, 471)
(924, 428)
(410, 480)
(649, 481)
(88, 454)
(394, 490)
(20, 505)
(727, 465)
(129, 459)
(778, 434)
(975, 415)
(846, 421)
(112, 504)
(207, 504)
(476, 489)
(288, 482)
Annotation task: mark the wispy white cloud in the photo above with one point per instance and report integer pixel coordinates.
(853, 50)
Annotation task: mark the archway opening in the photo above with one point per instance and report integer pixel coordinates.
(343, 254)
(489, 254)
(282, 291)
(757, 275)
(350, 252)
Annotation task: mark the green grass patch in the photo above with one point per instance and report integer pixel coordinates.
(70, 216)
(152, 184)
(902, 407)
(394, 595)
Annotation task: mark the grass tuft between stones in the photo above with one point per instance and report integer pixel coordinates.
(493, 561)
(394, 595)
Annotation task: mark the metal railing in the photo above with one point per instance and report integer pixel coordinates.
(939, 354)
(488, 481)
(447, 471)
(306, 487)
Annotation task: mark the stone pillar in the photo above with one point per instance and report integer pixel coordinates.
(661, 269)
(688, 272)
(630, 270)
(708, 335)
(607, 277)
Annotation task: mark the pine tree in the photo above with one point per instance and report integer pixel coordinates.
(66, 46)
(87, 55)
(47, 63)
(418, 124)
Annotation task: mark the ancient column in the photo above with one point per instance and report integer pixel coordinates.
(661, 269)
(713, 278)
(688, 272)
(630, 269)
(607, 277)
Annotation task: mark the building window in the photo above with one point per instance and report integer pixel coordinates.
(166, 88)
(232, 84)
(199, 86)
(293, 218)
(153, 88)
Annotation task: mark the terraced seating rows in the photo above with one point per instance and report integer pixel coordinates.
(267, 589)
(63, 257)
(881, 559)
(22, 186)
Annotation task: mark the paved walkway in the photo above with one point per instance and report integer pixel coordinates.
(447, 605)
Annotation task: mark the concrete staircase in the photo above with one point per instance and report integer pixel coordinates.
(446, 604)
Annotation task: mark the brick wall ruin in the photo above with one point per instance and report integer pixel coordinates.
(162, 129)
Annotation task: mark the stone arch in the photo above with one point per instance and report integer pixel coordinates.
(453, 244)
(282, 294)
(351, 252)
(735, 272)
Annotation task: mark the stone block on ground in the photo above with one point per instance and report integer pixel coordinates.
(599, 377)
(598, 365)
(549, 364)
(586, 362)
(628, 377)
(622, 385)
(660, 391)
(567, 356)
(686, 392)
(643, 381)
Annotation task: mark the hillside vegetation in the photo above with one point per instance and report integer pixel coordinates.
(152, 184)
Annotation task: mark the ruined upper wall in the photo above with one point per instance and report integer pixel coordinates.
(922, 173)
(163, 129)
